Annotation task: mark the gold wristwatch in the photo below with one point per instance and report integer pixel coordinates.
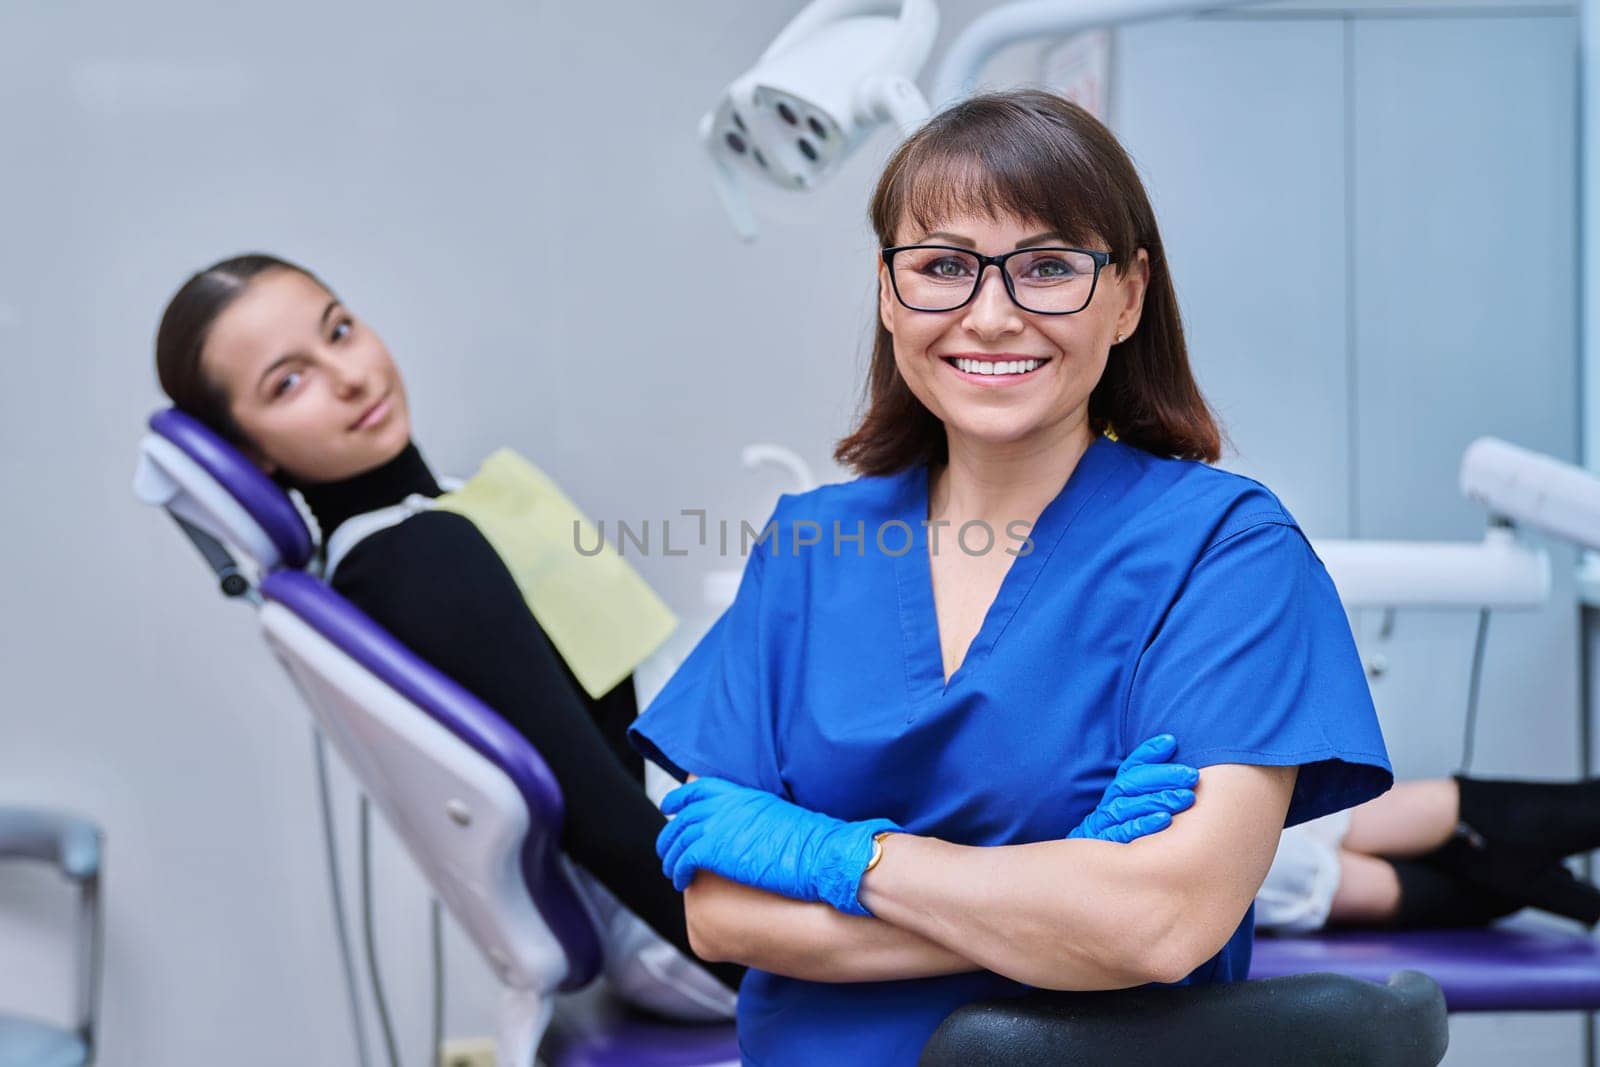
(877, 849)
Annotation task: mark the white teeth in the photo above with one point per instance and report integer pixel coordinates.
(989, 366)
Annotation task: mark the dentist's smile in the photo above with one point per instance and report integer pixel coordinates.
(995, 369)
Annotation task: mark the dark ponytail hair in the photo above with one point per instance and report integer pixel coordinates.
(185, 325)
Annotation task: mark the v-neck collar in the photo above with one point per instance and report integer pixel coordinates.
(919, 619)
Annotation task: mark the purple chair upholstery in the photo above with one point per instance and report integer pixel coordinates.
(1496, 969)
(267, 504)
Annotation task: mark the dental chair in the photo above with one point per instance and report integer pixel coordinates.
(72, 845)
(476, 807)
(1521, 964)
(480, 814)
(1518, 965)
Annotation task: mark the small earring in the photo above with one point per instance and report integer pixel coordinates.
(1121, 337)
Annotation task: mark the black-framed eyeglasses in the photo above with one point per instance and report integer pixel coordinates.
(1044, 281)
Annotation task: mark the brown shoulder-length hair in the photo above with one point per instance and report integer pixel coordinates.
(1035, 156)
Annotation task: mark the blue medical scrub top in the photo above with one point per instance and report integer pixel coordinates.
(1159, 596)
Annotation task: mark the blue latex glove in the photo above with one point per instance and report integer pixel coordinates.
(752, 837)
(1144, 796)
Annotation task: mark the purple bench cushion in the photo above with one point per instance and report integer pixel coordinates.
(1497, 969)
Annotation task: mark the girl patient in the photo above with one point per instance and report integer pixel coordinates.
(264, 353)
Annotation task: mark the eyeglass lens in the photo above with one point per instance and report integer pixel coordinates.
(1050, 280)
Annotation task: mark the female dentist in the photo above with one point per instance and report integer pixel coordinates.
(931, 672)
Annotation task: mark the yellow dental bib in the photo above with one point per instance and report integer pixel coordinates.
(598, 612)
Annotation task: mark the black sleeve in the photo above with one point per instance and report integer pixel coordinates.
(440, 588)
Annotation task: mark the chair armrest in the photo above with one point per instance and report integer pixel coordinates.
(69, 842)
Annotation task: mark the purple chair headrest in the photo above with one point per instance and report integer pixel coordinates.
(261, 498)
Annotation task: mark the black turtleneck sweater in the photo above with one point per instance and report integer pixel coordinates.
(437, 585)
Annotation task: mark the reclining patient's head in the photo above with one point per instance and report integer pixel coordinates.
(264, 353)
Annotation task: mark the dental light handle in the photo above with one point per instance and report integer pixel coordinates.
(813, 17)
(919, 21)
(918, 17)
(730, 190)
(891, 98)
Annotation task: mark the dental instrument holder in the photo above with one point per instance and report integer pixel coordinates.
(1516, 488)
(1525, 487)
(718, 588)
(836, 72)
(1496, 573)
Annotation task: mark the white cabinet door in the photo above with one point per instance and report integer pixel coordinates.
(1464, 305)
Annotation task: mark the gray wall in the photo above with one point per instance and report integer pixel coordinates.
(466, 178)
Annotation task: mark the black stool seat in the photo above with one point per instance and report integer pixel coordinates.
(1311, 1019)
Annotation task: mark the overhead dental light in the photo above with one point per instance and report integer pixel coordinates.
(843, 67)
(840, 69)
